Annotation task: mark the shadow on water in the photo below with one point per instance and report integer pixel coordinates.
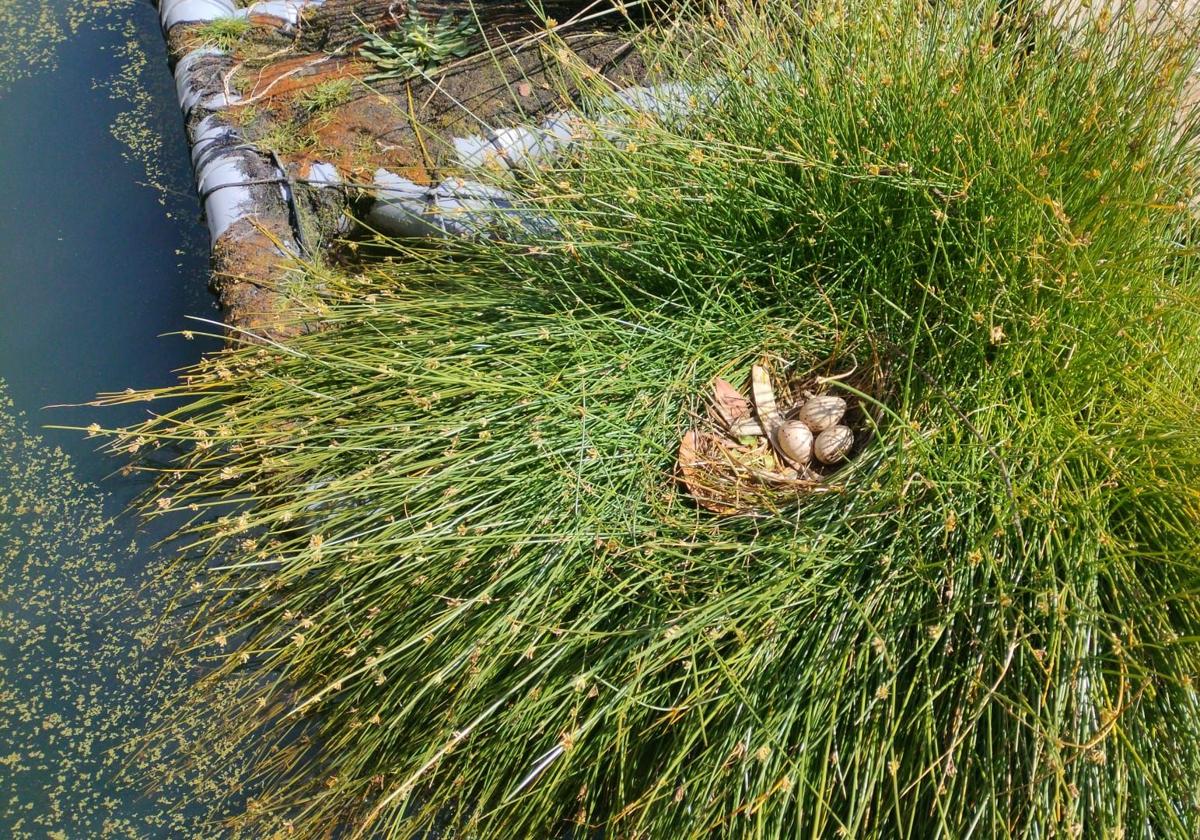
(94, 266)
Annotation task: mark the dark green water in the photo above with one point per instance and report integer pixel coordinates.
(94, 265)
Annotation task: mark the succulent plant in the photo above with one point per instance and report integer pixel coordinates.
(419, 45)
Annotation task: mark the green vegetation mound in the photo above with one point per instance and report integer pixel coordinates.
(447, 539)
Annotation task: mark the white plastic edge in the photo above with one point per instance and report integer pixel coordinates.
(462, 207)
(189, 92)
(172, 12)
(402, 208)
(219, 159)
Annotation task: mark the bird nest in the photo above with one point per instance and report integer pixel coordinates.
(785, 434)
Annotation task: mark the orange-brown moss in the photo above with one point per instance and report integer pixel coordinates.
(284, 79)
(249, 277)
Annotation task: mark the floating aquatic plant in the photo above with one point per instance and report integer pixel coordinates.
(79, 608)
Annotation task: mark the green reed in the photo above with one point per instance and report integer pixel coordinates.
(443, 533)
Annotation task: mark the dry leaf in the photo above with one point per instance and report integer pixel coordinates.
(695, 470)
(729, 403)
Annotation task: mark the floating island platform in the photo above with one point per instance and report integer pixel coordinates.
(311, 119)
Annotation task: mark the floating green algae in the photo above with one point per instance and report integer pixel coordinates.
(82, 676)
(32, 35)
(139, 126)
(31, 32)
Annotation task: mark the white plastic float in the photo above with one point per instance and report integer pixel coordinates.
(200, 81)
(225, 172)
(458, 207)
(455, 207)
(172, 12)
(227, 167)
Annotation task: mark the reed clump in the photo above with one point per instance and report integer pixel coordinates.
(444, 533)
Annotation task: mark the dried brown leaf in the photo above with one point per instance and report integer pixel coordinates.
(695, 470)
(730, 405)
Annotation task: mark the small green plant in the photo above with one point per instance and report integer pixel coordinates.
(225, 34)
(242, 116)
(418, 45)
(285, 137)
(243, 81)
(324, 97)
(364, 153)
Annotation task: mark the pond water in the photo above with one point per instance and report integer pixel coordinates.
(101, 251)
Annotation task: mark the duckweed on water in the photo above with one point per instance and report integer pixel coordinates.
(32, 32)
(141, 125)
(31, 35)
(81, 670)
(445, 531)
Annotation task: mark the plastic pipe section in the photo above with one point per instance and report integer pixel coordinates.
(172, 12)
(227, 168)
